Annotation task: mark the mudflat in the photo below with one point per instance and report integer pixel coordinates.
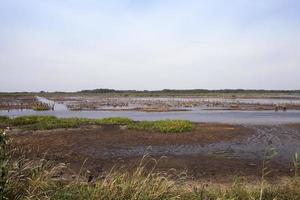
(210, 151)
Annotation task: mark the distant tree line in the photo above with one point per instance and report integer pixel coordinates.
(164, 91)
(188, 91)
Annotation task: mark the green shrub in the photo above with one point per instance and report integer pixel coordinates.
(2, 118)
(4, 121)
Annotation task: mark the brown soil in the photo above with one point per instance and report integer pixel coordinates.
(70, 146)
(294, 126)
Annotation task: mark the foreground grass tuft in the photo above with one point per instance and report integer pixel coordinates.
(41, 179)
(121, 185)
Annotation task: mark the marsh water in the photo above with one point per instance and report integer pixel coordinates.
(267, 127)
(195, 114)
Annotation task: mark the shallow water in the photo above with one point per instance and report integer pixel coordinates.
(265, 125)
(234, 117)
(196, 115)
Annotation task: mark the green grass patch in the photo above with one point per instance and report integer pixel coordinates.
(29, 120)
(58, 123)
(4, 121)
(164, 126)
(48, 122)
(51, 122)
(114, 120)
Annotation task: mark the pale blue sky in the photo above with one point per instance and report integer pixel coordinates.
(149, 44)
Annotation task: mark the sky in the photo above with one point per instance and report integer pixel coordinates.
(70, 45)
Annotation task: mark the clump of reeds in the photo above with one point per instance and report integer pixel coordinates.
(33, 179)
(141, 182)
(22, 178)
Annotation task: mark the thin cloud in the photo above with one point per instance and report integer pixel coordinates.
(64, 45)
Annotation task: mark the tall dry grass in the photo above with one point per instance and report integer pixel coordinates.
(42, 179)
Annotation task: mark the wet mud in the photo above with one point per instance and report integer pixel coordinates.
(211, 150)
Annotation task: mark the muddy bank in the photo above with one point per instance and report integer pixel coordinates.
(210, 151)
(88, 102)
(12, 102)
(164, 104)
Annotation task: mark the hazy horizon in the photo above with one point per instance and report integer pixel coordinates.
(158, 90)
(54, 45)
